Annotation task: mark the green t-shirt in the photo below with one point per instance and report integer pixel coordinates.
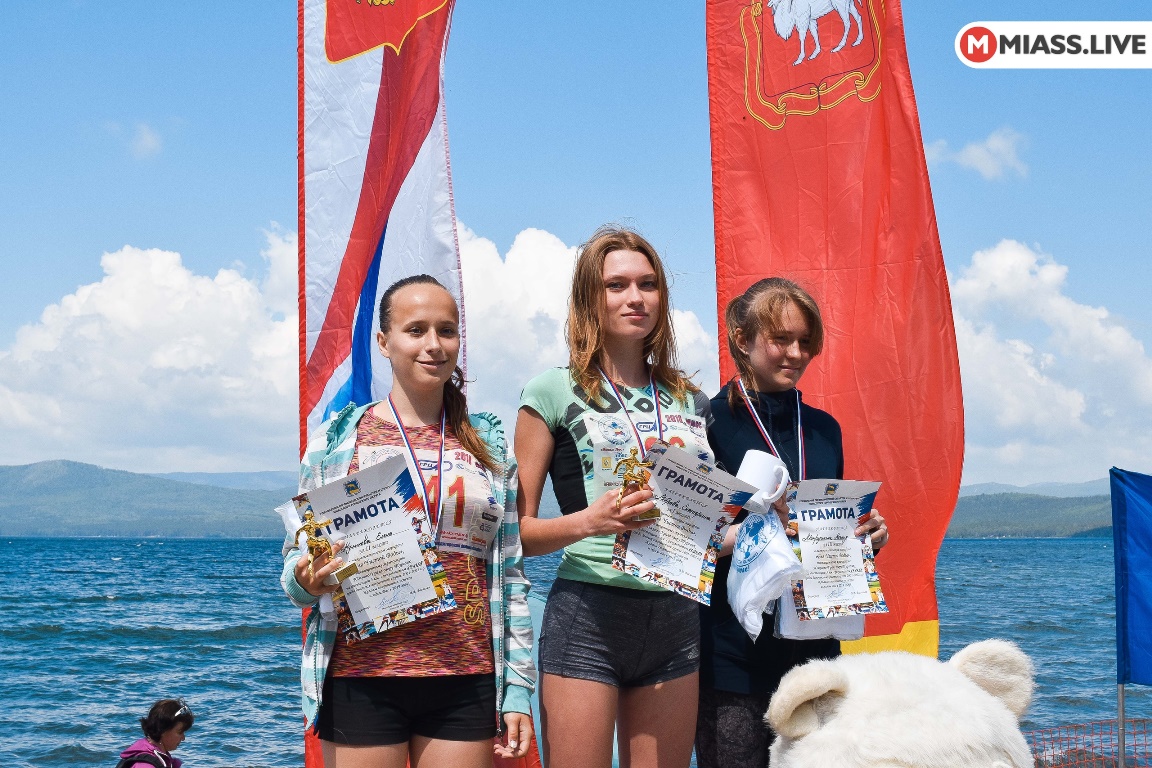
(590, 439)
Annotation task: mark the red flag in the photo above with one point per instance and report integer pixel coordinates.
(819, 175)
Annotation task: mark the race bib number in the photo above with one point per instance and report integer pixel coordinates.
(471, 513)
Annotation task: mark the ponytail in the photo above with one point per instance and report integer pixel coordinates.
(456, 409)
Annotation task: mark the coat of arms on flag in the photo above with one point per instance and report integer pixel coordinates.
(802, 56)
(358, 26)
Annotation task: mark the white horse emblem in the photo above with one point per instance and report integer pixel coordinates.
(802, 15)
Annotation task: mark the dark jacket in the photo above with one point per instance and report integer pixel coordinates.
(729, 660)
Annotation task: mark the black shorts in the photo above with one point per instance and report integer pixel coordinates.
(626, 638)
(375, 711)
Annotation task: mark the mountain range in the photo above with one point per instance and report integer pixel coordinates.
(1064, 490)
(67, 498)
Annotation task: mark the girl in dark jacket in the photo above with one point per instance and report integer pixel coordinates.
(774, 331)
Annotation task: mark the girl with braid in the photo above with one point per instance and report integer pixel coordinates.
(438, 690)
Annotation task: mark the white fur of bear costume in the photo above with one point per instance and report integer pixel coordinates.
(897, 710)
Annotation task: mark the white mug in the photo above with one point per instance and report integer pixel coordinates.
(767, 473)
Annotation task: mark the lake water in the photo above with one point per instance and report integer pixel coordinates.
(95, 630)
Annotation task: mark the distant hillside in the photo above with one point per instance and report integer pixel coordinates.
(1021, 515)
(1091, 488)
(67, 498)
(264, 481)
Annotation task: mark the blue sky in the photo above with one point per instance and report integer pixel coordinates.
(173, 127)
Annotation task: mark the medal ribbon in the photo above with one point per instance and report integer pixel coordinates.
(764, 432)
(655, 401)
(439, 518)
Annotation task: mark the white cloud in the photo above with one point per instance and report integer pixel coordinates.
(156, 368)
(1093, 347)
(280, 285)
(516, 308)
(1053, 389)
(697, 350)
(145, 141)
(1004, 383)
(993, 158)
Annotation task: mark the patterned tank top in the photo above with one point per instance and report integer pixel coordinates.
(457, 642)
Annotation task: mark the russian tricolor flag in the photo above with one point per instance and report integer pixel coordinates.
(375, 195)
(375, 187)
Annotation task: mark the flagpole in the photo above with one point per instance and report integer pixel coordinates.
(1120, 719)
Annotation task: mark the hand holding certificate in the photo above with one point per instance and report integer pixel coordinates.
(394, 575)
(840, 576)
(697, 502)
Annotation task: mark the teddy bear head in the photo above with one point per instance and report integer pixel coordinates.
(894, 709)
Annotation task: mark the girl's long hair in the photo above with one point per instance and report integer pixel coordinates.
(758, 310)
(455, 404)
(585, 324)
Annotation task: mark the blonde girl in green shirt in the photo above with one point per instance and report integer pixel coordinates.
(616, 653)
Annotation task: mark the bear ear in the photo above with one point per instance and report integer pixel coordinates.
(792, 712)
(1001, 669)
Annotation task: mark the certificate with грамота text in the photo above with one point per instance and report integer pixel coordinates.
(697, 503)
(840, 577)
(394, 575)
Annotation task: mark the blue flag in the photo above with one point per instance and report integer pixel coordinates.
(1132, 532)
